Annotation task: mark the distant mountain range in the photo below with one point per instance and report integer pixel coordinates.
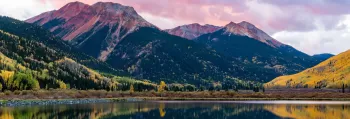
(196, 54)
(323, 56)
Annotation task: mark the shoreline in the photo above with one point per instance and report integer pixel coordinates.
(43, 102)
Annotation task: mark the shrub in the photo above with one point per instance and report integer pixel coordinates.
(17, 92)
(7, 92)
(25, 92)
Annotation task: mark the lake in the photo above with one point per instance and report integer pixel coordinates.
(185, 110)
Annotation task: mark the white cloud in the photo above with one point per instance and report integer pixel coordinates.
(318, 41)
(310, 30)
(23, 9)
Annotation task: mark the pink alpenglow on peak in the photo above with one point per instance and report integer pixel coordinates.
(74, 20)
(247, 29)
(192, 31)
(262, 36)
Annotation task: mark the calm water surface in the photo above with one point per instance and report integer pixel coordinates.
(185, 110)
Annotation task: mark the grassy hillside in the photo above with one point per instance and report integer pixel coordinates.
(332, 73)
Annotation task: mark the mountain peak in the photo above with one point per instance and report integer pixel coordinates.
(75, 5)
(196, 24)
(191, 31)
(231, 24)
(74, 20)
(247, 24)
(245, 28)
(110, 6)
(233, 28)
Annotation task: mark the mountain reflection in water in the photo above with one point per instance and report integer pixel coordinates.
(180, 110)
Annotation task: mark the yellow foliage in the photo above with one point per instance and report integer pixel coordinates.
(161, 87)
(20, 67)
(62, 85)
(95, 76)
(6, 75)
(131, 88)
(162, 111)
(332, 73)
(309, 111)
(4, 60)
(6, 114)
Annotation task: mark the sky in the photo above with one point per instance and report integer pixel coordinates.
(311, 26)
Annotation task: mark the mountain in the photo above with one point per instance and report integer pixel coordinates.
(192, 31)
(260, 35)
(143, 50)
(322, 57)
(31, 58)
(250, 45)
(332, 73)
(41, 35)
(95, 29)
(27, 63)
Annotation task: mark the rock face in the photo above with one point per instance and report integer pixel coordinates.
(332, 73)
(117, 35)
(252, 46)
(192, 31)
(243, 28)
(260, 35)
(95, 29)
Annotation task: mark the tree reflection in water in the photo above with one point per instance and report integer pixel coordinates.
(182, 110)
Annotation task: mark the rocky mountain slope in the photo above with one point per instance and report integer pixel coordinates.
(31, 58)
(192, 31)
(95, 29)
(332, 73)
(250, 45)
(117, 35)
(144, 51)
(243, 28)
(28, 63)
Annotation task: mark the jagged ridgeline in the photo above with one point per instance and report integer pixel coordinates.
(30, 58)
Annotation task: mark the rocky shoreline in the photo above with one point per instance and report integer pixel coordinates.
(12, 103)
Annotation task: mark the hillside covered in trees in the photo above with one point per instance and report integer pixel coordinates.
(33, 59)
(332, 73)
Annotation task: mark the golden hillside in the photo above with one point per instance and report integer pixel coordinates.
(332, 73)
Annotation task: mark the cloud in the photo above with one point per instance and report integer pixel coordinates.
(296, 22)
(23, 9)
(321, 40)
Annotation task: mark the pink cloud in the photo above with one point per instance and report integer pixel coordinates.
(290, 15)
(183, 10)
